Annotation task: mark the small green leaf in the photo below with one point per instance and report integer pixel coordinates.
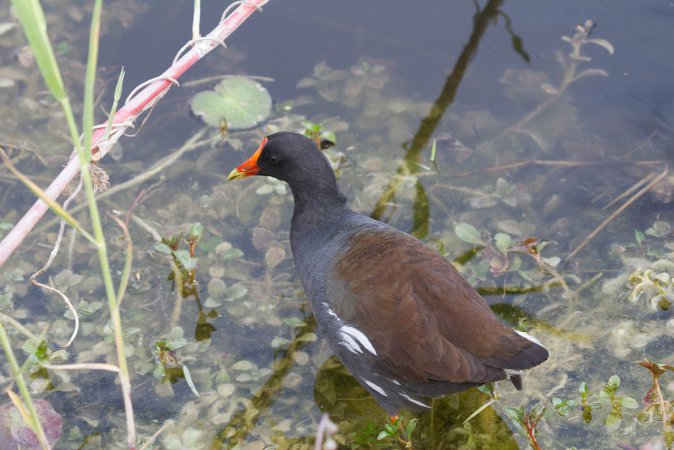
(328, 139)
(232, 253)
(196, 231)
(468, 233)
(279, 342)
(307, 337)
(243, 365)
(613, 421)
(517, 417)
(639, 237)
(158, 372)
(29, 346)
(188, 379)
(182, 256)
(236, 291)
(186, 260)
(42, 351)
(410, 427)
(382, 435)
(294, 322)
(552, 261)
(487, 389)
(614, 381)
(177, 343)
(629, 403)
(162, 248)
(503, 242)
(212, 302)
(516, 414)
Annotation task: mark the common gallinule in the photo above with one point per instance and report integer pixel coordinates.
(397, 314)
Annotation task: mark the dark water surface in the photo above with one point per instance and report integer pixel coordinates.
(392, 79)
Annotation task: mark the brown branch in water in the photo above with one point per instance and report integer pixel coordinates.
(245, 421)
(430, 122)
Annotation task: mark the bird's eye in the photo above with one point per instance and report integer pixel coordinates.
(273, 159)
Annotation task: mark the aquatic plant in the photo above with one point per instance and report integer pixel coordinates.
(399, 430)
(656, 287)
(527, 422)
(654, 402)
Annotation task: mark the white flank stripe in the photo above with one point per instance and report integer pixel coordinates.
(350, 344)
(530, 337)
(511, 372)
(376, 387)
(330, 311)
(362, 339)
(416, 402)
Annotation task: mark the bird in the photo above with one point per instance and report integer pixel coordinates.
(397, 314)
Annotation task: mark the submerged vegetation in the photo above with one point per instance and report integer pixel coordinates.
(220, 344)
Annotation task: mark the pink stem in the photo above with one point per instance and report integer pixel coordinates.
(144, 100)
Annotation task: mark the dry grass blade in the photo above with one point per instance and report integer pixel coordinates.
(124, 280)
(617, 212)
(82, 366)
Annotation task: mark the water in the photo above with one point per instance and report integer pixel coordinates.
(370, 71)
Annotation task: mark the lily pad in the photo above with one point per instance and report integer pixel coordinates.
(240, 102)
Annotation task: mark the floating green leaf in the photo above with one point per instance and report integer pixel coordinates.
(468, 233)
(241, 102)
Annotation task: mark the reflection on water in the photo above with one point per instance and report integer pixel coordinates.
(477, 129)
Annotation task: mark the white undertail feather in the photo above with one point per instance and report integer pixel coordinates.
(530, 337)
(359, 336)
(411, 400)
(376, 387)
(350, 344)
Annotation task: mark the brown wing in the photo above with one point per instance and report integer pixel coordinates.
(422, 317)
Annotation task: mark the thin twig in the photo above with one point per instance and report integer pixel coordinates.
(156, 434)
(52, 255)
(147, 227)
(629, 191)
(617, 212)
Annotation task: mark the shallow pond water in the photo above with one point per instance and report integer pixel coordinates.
(542, 174)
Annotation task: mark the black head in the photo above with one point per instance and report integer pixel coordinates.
(295, 159)
(292, 156)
